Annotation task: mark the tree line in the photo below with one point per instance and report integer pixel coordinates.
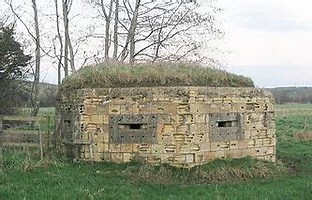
(292, 94)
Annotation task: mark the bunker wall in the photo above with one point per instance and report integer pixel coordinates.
(182, 126)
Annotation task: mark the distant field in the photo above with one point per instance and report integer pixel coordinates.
(61, 179)
(293, 106)
(293, 109)
(43, 111)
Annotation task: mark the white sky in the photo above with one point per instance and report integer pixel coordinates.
(269, 40)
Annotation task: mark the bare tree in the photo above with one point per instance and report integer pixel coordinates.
(157, 30)
(108, 17)
(106, 11)
(68, 48)
(59, 37)
(131, 30)
(174, 31)
(116, 19)
(35, 102)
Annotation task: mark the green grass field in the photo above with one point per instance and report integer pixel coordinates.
(59, 179)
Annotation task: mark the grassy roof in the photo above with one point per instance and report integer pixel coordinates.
(110, 75)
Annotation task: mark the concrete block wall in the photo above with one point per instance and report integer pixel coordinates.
(182, 126)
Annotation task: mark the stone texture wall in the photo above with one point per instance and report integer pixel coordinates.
(182, 126)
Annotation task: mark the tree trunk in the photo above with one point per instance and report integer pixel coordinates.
(59, 64)
(65, 21)
(116, 30)
(133, 29)
(71, 52)
(131, 34)
(107, 27)
(35, 94)
(68, 48)
(158, 42)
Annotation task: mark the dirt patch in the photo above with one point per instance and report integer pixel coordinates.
(303, 136)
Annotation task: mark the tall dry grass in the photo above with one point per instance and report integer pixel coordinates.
(114, 74)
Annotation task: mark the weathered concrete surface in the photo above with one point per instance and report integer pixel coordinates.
(182, 126)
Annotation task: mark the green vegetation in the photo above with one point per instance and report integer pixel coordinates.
(14, 67)
(109, 75)
(301, 112)
(112, 181)
(47, 94)
(45, 112)
(289, 178)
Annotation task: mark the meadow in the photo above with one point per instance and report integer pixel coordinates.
(25, 177)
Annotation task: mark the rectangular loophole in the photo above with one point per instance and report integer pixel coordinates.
(132, 126)
(67, 122)
(227, 123)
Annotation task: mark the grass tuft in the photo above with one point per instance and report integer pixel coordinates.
(113, 74)
(236, 170)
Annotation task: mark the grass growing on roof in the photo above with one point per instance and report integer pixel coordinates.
(110, 75)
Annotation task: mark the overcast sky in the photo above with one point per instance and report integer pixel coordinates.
(269, 40)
